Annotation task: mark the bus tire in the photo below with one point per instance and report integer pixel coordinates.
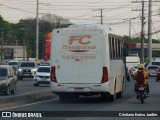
(112, 97)
(66, 97)
(104, 96)
(119, 94)
(62, 98)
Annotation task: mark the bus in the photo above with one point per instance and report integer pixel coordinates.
(86, 60)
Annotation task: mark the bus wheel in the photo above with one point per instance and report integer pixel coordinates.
(112, 97)
(119, 94)
(66, 97)
(104, 96)
(62, 98)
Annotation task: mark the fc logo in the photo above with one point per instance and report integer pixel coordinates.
(80, 39)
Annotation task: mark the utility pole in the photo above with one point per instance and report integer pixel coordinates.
(101, 10)
(37, 33)
(129, 28)
(27, 45)
(2, 46)
(149, 32)
(101, 17)
(142, 32)
(142, 35)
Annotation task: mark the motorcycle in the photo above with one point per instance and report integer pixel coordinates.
(142, 93)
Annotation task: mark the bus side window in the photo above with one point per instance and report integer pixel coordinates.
(111, 48)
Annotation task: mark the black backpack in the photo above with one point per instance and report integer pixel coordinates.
(140, 77)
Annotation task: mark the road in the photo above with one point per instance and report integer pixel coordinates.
(25, 86)
(123, 105)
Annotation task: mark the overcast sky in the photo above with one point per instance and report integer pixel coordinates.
(116, 13)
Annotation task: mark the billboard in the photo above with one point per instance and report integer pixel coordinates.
(47, 46)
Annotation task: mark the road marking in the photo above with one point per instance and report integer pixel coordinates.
(28, 104)
(26, 93)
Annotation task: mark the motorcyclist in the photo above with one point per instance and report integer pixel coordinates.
(139, 76)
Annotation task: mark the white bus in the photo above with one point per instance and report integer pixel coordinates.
(86, 60)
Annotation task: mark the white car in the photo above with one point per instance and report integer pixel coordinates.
(42, 75)
(134, 69)
(152, 70)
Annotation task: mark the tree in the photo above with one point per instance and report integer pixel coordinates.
(7, 33)
(46, 24)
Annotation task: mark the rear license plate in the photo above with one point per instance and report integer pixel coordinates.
(78, 89)
(26, 74)
(141, 88)
(44, 79)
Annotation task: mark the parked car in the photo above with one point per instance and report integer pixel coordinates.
(134, 69)
(42, 75)
(152, 70)
(158, 75)
(15, 66)
(7, 80)
(27, 69)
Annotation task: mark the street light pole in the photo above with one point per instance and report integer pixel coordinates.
(24, 49)
(16, 49)
(24, 43)
(37, 32)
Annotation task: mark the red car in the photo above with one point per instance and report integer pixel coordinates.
(158, 75)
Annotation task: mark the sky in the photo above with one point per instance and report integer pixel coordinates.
(116, 13)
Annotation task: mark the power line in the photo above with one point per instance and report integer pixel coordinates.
(18, 9)
(155, 30)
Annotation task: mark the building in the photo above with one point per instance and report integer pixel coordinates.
(136, 48)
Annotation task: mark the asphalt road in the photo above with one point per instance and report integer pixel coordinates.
(25, 86)
(94, 103)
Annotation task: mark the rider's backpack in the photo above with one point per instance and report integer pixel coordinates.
(140, 77)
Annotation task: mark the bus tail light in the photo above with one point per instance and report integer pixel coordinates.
(105, 75)
(53, 74)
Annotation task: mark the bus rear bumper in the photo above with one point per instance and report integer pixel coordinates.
(80, 88)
